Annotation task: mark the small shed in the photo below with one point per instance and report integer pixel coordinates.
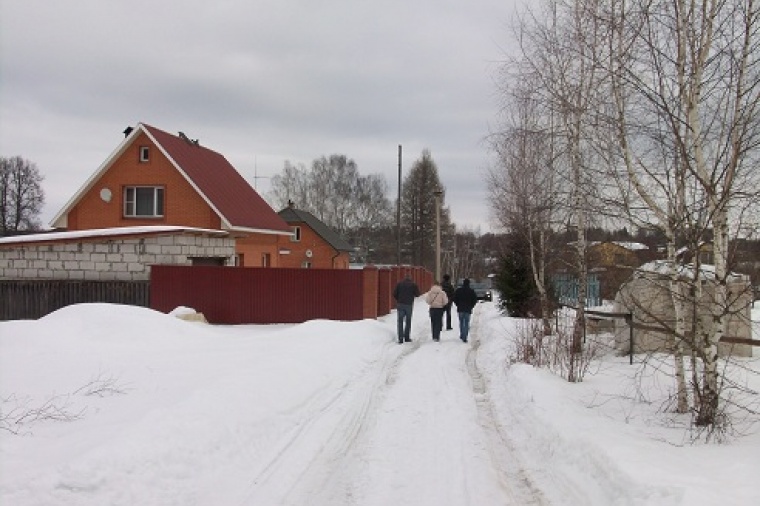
(647, 296)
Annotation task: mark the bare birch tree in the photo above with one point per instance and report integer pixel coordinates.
(560, 44)
(334, 191)
(694, 68)
(523, 192)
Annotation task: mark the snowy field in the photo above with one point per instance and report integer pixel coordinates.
(115, 405)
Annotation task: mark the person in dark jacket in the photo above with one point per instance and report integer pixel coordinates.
(405, 292)
(465, 298)
(449, 289)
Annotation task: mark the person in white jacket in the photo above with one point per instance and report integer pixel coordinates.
(437, 300)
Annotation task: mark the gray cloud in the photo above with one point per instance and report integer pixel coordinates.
(261, 82)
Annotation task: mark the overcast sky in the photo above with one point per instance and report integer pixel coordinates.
(261, 82)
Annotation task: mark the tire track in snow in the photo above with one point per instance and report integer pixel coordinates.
(511, 474)
(424, 444)
(330, 455)
(288, 477)
(335, 482)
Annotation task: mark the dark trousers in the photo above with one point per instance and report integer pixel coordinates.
(436, 321)
(404, 321)
(447, 310)
(464, 326)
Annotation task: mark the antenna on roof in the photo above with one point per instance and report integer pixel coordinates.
(256, 176)
(188, 139)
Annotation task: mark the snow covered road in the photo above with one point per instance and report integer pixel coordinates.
(415, 428)
(323, 413)
(116, 405)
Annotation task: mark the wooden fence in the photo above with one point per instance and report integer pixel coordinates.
(31, 299)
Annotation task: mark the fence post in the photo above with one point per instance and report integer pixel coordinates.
(369, 291)
(629, 321)
(383, 291)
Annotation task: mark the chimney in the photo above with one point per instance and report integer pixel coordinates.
(127, 131)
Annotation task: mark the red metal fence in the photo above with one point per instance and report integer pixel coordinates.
(236, 295)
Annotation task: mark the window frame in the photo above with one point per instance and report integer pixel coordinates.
(144, 156)
(296, 237)
(156, 214)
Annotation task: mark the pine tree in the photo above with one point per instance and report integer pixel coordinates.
(514, 281)
(418, 223)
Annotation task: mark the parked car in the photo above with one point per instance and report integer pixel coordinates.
(482, 290)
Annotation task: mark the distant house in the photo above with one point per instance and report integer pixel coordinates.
(706, 254)
(609, 264)
(154, 178)
(313, 244)
(614, 262)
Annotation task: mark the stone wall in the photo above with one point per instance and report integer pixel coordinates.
(113, 258)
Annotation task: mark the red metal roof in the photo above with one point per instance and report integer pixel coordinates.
(220, 184)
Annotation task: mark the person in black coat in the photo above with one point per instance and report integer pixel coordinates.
(449, 289)
(405, 292)
(465, 298)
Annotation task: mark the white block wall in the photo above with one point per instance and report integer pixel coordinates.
(651, 302)
(112, 259)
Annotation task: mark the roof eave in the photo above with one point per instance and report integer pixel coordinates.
(60, 220)
(250, 230)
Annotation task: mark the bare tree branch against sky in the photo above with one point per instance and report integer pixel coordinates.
(261, 82)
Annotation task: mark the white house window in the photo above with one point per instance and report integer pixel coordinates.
(296, 237)
(144, 153)
(143, 201)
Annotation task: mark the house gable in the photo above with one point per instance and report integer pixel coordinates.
(311, 251)
(183, 205)
(201, 188)
(318, 247)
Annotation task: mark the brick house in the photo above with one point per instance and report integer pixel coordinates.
(154, 178)
(313, 244)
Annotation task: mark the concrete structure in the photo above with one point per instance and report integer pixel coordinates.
(647, 295)
(123, 254)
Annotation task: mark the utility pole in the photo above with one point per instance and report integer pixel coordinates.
(398, 211)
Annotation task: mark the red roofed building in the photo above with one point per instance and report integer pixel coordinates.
(156, 178)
